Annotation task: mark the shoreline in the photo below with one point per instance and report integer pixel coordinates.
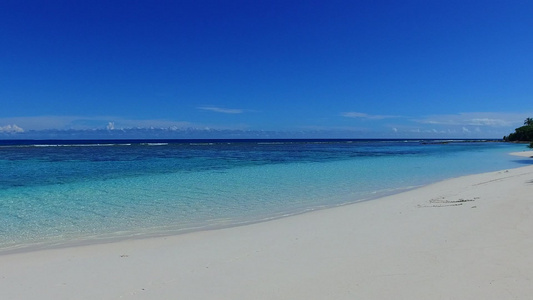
(524, 153)
(165, 231)
(465, 237)
(75, 222)
(147, 235)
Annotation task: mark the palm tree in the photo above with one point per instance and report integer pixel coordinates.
(528, 122)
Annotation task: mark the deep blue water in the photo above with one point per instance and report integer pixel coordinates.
(55, 192)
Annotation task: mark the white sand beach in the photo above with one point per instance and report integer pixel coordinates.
(464, 238)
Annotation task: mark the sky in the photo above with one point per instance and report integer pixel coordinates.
(258, 68)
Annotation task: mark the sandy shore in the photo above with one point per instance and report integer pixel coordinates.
(464, 238)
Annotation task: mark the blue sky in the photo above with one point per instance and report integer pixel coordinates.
(354, 69)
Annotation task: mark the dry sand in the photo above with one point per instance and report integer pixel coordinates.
(464, 238)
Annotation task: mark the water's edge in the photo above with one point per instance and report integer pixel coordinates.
(391, 175)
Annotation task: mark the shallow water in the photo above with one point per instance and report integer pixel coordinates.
(53, 193)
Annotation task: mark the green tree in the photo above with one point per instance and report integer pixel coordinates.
(522, 134)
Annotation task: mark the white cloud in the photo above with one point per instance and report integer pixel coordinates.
(40, 122)
(90, 123)
(333, 128)
(132, 123)
(489, 122)
(11, 129)
(359, 115)
(222, 110)
(477, 119)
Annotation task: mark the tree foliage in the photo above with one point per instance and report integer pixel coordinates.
(522, 134)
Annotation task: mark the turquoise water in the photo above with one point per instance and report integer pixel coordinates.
(55, 193)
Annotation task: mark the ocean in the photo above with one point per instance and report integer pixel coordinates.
(60, 193)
